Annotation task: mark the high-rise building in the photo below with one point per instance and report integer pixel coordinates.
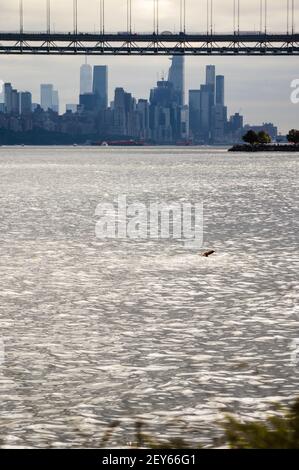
(1, 92)
(211, 75)
(219, 122)
(165, 113)
(119, 112)
(15, 102)
(88, 102)
(143, 117)
(55, 101)
(26, 103)
(100, 85)
(85, 79)
(205, 111)
(176, 76)
(194, 114)
(184, 123)
(236, 122)
(8, 98)
(46, 96)
(220, 90)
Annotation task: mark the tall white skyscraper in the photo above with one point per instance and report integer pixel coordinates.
(46, 96)
(49, 98)
(176, 76)
(85, 79)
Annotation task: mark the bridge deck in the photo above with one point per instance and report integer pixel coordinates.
(149, 43)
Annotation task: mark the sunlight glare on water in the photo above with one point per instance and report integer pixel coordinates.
(101, 330)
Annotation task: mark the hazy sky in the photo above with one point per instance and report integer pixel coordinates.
(258, 87)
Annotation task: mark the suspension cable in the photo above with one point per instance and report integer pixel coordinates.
(48, 16)
(102, 17)
(21, 16)
(293, 16)
(75, 16)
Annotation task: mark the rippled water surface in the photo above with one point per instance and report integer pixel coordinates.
(96, 331)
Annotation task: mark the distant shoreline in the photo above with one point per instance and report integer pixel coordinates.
(264, 148)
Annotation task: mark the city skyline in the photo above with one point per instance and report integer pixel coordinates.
(259, 96)
(165, 118)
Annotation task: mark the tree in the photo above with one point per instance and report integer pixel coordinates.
(250, 137)
(293, 136)
(264, 138)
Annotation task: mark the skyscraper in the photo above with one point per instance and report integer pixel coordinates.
(205, 111)
(194, 113)
(219, 120)
(100, 85)
(46, 96)
(55, 101)
(26, 103)
(220, 90)
(85, 79)
(176, 76)
(8, 98)
(210, 75)
(15, 102)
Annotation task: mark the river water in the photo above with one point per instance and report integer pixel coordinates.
(95, 330)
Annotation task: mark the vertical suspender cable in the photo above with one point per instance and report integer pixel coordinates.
(266, 15)
(234, 15)
(208, 16)
(293, 16)
(211, 19)
(181, 16)
(21, 17)
(48, 16)
(129, 16)
(75, 16)
(102, 17)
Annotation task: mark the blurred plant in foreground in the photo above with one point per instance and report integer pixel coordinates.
(275, 432)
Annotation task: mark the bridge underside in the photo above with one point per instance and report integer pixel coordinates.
(248, 44)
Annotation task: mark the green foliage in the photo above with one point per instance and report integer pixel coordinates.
(293, 136)
(263, 138)
(276, 432)
(280, 431)
(250, 137)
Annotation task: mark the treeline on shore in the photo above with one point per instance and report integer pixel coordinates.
(262, 142)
